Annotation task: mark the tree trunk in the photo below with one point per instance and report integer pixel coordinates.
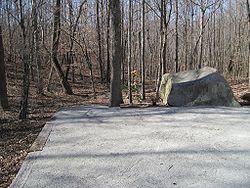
(73, 27)
(162, 62)
(35, 44)
(3, 86)
(91, 71)
(26, 84)
(124, 43)
(202, 16)
(163, 38)
(99, 38)
(55, 45)
(143, 50)
(248, 13)
(50, 78)
(130, 96)
(176, 37)
(186, 45)
(191, 60)
(108, 42)
(71, 42)
(84, 49)
(26, 68)
(116, 95)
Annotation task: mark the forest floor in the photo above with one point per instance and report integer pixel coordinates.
(17, 136)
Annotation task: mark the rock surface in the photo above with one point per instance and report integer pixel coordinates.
(205, 87)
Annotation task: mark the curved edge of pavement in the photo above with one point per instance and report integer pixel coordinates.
(24, 171)
(37, 146)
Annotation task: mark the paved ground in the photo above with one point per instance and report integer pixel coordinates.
(149, 147)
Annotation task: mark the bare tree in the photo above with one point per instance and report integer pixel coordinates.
(143, 46)
(203, 6)
(71, 41)
(156, 40)
(35, 46)
(99, 38)
(164, 23)
(55, 45)
(248, 15)
(3, 85)
(202, 27)
(130, 52)
(26, 66)
(108, 41)
(3, 88)
(74, 21)
(116, 95)
(177, 68)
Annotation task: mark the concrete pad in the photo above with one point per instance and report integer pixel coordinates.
(96, 146)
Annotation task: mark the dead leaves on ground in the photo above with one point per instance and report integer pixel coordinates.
(17, 136)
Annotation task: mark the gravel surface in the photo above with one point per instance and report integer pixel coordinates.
(96, 146)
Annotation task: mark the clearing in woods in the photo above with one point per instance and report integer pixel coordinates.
(97, 146)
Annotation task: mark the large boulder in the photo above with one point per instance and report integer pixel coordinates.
(204, 87)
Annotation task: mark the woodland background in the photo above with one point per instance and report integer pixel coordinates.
(56, 53)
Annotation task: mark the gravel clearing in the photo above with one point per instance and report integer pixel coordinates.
(97, 146)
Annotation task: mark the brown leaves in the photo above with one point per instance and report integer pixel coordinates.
(17, 136)
(239, 89)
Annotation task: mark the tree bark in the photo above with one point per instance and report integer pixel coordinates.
(116, 95)
(192, 59)
(35, 41)
(130, 96)
(3, 86)
(162, 67)
(108, 42)
(143, 43)
(99, 38)
(248, 14)
(55, 45)
(163, 39)
(176, 37)
(202, 27)
(26, 68)
(71, 42)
